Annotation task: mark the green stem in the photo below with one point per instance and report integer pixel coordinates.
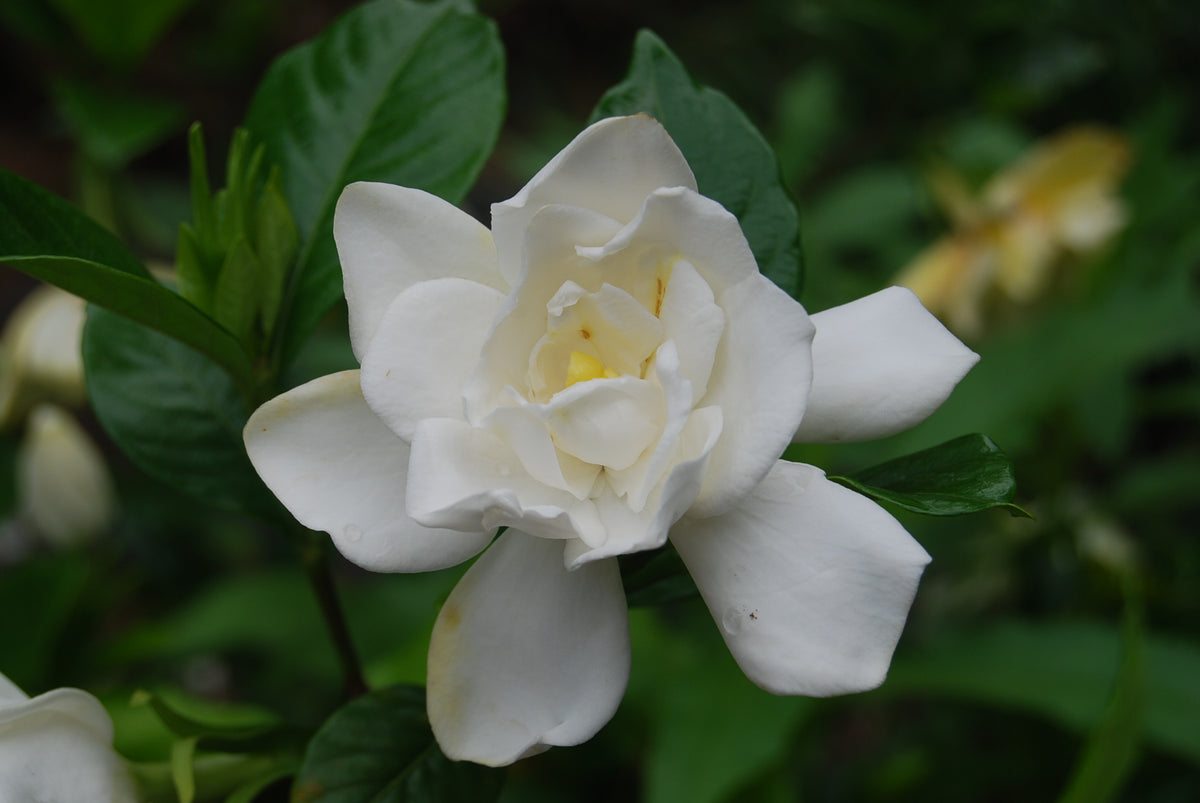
(315, 555)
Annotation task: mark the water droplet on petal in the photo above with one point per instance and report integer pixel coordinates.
(505, 470)
(732, 621)
(353, 532)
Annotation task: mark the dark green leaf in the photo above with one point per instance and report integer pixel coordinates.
(175, 413)
(237, 293)
(657, 577)
(379, 749)
(220, 727)
(395, 91)
(48, 238)
(732, 161)
(965, 475)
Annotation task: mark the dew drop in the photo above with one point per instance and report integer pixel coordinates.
(505, 470)
(353, 532)
(731, 622)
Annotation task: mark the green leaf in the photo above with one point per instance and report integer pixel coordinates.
(1111, 751)
(237, 292)
(732, 161)
(191, 717)
(176, 414)
(379, 749)
(183, 752)
(656, 577)
(1064, 671)
(48, 238)
(965, 475)
(395, 91)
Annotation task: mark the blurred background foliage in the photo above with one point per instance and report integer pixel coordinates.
(1054, 658)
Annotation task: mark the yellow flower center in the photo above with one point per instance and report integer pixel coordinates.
(583, 367)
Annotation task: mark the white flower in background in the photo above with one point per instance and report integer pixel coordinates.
(604, 369)
(57, 748)
(40, 358)
(1060, 198)
(62, 481)
(65, 491)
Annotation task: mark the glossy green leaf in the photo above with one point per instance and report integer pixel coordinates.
(1061, 670)
(965, 475)
(395, 91)
(176, 414)
(48, 238)
(379, 749)
(732, 161)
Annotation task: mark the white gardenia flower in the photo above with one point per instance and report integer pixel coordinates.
(57, 748)
(603, 370)
(65, 487)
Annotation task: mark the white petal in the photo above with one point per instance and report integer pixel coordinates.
(525, 654)
(609, 168)
(426, 347)
(636, 482)
(57, 748)
(552, 259)
(694, 322)
(389, 238)
(809, 582)
(66, 489)
(647, 527)
(678, 223)
(760, 380)
(880, 365)
(606, 422)
(337, 467)
(10, 692)
(523, 427)
(468, 479)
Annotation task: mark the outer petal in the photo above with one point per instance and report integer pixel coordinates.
(525, 654)
(809, 582)
(760, 381)
(428, 343)
(57, 748)
(609, 168)
(389, 238)
(338, 468)
(880, 365)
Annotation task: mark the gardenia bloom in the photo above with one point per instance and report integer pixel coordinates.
(603, 370)
(57, 748)
(64, 485)
(1059, 198)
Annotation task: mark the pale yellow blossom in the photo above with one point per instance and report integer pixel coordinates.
(1059, 199)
